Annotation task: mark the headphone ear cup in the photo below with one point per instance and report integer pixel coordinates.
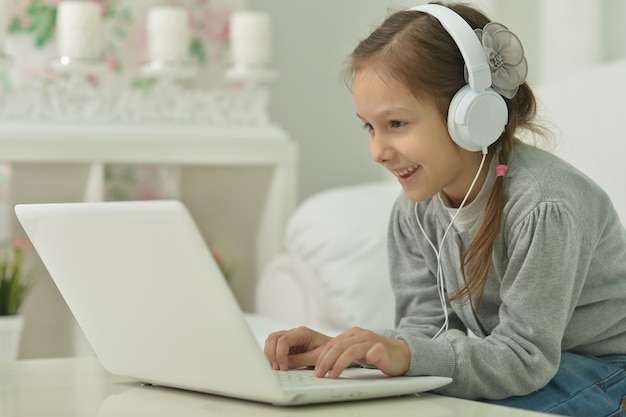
(476, 119)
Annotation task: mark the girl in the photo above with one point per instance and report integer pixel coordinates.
(490, 235)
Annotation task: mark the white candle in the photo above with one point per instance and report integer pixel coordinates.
(168, 34)
(79, 30)
(251, 38)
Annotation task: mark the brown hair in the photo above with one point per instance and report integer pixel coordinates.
(415, 49)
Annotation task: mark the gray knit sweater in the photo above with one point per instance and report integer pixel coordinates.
(557, 281)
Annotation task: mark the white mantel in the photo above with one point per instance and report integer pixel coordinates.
(239, 183)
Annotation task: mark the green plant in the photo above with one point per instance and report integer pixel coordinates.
(14, 283)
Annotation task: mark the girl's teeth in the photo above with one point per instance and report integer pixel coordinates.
(407, 171)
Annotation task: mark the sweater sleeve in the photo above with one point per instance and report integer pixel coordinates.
(548, 254)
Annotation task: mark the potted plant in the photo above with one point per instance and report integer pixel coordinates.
(14, 285)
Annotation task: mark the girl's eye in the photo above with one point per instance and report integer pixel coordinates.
(368, 127)
(396, 123)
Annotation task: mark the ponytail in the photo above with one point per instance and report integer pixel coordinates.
(477, 258)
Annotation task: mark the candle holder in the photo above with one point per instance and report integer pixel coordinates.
(78, 66)
(253, 89)
(252, 74)
(78, 93)
(169, 70)
(86, 92)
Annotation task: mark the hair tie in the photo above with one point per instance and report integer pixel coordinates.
(501, 170)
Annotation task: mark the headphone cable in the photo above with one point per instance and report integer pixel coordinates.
(440, 283)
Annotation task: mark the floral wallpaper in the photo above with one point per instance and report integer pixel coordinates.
(31, 42)
(31, 45)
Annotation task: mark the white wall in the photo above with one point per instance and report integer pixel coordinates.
(312, 39)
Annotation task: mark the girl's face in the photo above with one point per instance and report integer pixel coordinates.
(410, 138)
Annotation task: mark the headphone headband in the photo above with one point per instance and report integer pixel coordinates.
(463, 35)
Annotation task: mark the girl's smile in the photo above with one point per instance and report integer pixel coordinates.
(406, 174)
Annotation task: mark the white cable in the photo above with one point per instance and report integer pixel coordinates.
(440, 283)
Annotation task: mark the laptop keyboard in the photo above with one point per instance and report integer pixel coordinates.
(306, 377)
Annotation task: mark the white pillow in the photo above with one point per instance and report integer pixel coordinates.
(338, 240)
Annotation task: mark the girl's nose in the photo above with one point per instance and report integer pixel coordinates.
(380, 151)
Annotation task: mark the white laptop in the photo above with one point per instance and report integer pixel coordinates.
(155, 307)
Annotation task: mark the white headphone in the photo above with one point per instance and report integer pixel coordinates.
(477, 114)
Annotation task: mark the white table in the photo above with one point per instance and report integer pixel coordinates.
(80, 387)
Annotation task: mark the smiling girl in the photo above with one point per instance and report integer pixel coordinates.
(491, 235)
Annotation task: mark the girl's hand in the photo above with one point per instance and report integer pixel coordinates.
(331, 356)
(294, 348)
(391, 356)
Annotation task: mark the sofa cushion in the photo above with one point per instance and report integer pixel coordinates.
(335, 261)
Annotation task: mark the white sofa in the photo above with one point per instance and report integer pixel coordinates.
(333, 271)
